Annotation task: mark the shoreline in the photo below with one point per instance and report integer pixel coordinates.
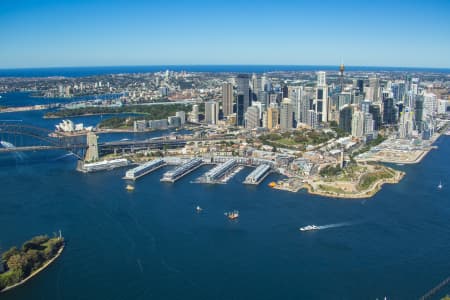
(36, 272)
(368, 193)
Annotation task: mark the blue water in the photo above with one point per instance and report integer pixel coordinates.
(90, 71)
(151, 244)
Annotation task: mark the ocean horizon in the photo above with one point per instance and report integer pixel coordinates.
(102, 70)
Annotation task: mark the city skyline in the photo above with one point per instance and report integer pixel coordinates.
(114, 33)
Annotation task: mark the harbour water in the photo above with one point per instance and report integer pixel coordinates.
(152, 244)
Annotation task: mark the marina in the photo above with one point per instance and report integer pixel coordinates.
(144, 169)
(180, 171)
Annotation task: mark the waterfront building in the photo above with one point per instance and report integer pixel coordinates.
(140, 125)
(252, 117)
(211, 112)
(174, 121)
(286, 114)
(227, 99)
(429, 104)
(158, 124)
(272, 117)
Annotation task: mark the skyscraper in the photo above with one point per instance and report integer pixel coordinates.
(286, 114)
(211, 112)
(375, 110)
(389, 112)
(358, 124)
(345, 118)
(321, 101)
(227, 99)
(243, 88)
(272, 117)
(252, 117)
(240, 108)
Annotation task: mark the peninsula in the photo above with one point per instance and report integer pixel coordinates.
(17, 266)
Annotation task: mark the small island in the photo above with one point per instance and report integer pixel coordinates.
(17, 266)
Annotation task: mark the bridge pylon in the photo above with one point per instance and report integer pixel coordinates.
(92, 150)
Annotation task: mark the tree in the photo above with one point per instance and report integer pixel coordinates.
(9, 253)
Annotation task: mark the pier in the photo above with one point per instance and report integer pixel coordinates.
(258, 175)
(144, 169)
(184, 169)
(221, 173)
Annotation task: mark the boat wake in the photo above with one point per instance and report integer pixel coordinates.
(336, 225)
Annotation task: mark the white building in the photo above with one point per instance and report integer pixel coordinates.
(429, 104)
(211, 112)
(252, 117)
(286, 114)
(358, 124)
(321, 100)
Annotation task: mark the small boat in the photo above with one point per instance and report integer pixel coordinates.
(232, 215)
(440, 185)
(130, 187)
(198, 209)
(272, 184)
(309, 228)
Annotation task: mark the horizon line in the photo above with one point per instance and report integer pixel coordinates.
(219, 65)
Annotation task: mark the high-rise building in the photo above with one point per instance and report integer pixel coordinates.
(375, 110)
(252, 117)
(182, 115)
(321, 100)
(227, 99)
(345, 118)
(311, 118)
(211, 112)
(286, 114)
(240, 109)
(429, 105)
(358, 124)
(365, 106)
(243, 88)
(272, 117)
(406, 125)
(368, 124)
(389, 112)
(194, 113)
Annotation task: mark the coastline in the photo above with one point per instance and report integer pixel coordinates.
(42, 268)
(368, 193)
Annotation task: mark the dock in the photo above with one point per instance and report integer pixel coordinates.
(144, 169)
(180, 171)
(221, 173)
(258, 175)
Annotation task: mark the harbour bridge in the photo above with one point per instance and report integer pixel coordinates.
(20, 137)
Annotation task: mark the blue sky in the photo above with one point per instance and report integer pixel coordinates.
(49, 33)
